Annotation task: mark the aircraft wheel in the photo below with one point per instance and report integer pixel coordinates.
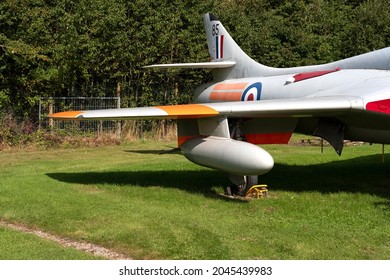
(250, 181)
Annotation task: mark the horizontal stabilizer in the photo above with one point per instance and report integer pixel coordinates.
(201, 65)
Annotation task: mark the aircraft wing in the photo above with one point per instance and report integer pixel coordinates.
(302, 107)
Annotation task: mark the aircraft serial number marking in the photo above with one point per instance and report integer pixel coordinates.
(215, 29)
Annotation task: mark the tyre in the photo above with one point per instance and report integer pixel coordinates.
(250, 181)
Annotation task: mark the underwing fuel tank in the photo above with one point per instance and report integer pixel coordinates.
(228, 155)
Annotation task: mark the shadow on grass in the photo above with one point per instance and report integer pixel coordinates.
(155, 152)
(188, 180)
(358, 175)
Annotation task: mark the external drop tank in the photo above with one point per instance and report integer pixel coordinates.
(228, 155)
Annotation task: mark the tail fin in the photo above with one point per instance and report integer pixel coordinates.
(221, 44)
(228, 60)
(222, 47)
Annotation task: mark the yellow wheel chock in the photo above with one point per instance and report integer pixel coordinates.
(257, 191)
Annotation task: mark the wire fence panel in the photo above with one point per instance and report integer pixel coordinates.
(52, 105)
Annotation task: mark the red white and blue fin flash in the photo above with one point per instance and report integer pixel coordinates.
(219, 47)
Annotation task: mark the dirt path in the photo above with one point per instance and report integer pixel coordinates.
(82, 246)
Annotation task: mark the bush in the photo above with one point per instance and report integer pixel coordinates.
(16, 134)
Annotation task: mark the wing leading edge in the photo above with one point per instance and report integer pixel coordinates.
(303, 107)
(157, 112)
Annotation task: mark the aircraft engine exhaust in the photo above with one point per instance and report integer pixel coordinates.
(228, 155)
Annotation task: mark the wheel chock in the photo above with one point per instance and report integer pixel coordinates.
(257, 191)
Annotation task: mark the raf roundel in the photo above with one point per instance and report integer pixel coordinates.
(252, 93)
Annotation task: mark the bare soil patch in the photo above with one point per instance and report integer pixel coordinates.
(82, 246)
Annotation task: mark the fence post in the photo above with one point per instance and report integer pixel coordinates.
(40, 114)
(118, 130)
(51, 105)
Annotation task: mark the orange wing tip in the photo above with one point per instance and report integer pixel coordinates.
(189, 111)
(67, 115)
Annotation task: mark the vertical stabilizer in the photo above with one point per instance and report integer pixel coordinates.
(222, 47)
(216, 38)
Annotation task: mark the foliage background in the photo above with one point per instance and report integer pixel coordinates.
(54, 48)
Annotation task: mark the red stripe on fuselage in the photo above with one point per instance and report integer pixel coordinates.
(227, 91)
(225, 95)
(309, 75)
(269, 138)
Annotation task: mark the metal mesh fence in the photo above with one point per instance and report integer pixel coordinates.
(52, 105)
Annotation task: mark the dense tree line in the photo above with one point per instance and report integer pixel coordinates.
(98, 47)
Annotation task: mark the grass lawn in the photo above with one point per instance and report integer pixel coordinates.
(148, 205)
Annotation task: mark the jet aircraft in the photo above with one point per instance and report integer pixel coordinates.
(249, 104)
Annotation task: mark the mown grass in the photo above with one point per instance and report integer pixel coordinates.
(149, 205)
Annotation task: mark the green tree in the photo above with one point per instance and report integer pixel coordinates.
(98, 47)
(368, 28)
(26, 70)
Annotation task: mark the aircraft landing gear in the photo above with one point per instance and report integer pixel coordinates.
(241, 185)
(250, 181)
